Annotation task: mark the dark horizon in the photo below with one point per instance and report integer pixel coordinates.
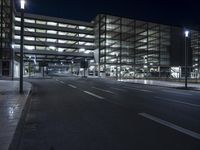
(182, 13)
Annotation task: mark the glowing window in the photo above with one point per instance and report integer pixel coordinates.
(90, 36)
(62, 41)
(51, 40)
(89, 29)
(17, 37)
(29, 38)
(29, 29)
(29, 47)
(41, 39)
(61, 49)
(52, 48)
(17, 28)
(62, 33)
(81, 43)
(29, 20)
(17, 19)
(16, 46)
(72, 26)
(82, 35)
(89, 44)
(40, 31)
(40, 22)
(40, 47)
(62, 25)
(71, 34)
(82, 27)
(51, 32)
(52, 23)
(70, 42)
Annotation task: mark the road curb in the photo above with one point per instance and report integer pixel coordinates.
(15, 143)
(180, 87)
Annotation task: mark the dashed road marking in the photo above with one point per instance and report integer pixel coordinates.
(62, 82)
(171, 125)
(72, 86)
(92, 94)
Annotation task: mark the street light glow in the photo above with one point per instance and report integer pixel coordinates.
(187, 33)
(22, 4)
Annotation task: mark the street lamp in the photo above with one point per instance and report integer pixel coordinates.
(187, 32)
(22, 4)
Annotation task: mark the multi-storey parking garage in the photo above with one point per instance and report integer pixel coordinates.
(54, 40)
(131, 48)
(113, 46)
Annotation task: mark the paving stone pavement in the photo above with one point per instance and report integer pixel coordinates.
(11, 107)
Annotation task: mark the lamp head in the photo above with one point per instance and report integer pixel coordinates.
(187, 33)
(22, 3)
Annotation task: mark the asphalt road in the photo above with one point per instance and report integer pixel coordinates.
(68, 113)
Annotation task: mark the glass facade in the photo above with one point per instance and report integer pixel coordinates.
(130, 48)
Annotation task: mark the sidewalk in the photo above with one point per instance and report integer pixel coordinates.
(11, 107)
(164, 83)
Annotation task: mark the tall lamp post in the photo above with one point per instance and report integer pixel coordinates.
(186, 57)
(22, 6)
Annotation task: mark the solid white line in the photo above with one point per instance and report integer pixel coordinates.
(72, 86)
(175, 92)
(141, 90)
(103, 90)
(171, 125)
(92, 94)
(176, 101)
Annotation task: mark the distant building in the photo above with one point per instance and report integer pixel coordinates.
(113, 46)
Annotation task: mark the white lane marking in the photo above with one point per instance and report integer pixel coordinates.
(171, 125)
(72, 86)
(146, 91)
(62, 82)
(103, 90)
(175, 92)
(176, 101)
(92, 94)
(118, 89)
(141, 90)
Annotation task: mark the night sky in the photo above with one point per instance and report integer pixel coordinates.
(185, 13)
